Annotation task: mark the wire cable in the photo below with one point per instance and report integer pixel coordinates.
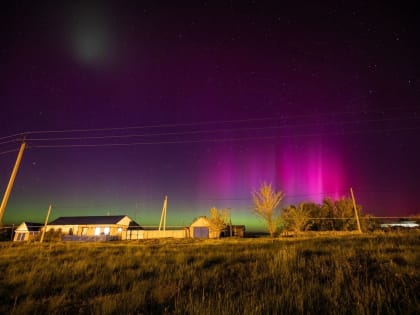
(207, 140)
(219, 130)
(9, 151)
(20, 135)
(10, 141)
(201, 123)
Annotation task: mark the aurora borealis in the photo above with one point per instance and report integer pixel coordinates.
(217, 97)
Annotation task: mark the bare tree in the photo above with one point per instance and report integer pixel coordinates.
(218, 220)
(266, 202)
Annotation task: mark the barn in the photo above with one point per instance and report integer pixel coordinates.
(93, 227)
(27, 231)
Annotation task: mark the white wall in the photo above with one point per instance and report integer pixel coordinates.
(150, 234)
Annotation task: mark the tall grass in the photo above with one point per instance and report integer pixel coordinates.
(369, 274)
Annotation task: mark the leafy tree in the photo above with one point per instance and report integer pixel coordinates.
(338, 214)
(333, 215)
(343, 208)
(296, 218)
(369, 223)
(314, 211)
(266, 202)
(218, 220)
(327, 211)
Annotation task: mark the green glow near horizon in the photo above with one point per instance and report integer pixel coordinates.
(32, 211)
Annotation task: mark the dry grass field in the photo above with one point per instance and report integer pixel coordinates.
(312, 274)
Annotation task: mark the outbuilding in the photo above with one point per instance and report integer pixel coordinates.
(202, 228)
(27, 231)
(236, 230)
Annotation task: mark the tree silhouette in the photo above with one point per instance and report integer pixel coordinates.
(266, 202)
(218, 220)
(296, 218)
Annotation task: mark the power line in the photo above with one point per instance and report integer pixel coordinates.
(139, 127)
(393, 130)
(21, 135)
(9, 151)
(9, 141)
(274, 117)
(216, 130)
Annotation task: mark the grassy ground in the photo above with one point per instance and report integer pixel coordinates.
(368, 274)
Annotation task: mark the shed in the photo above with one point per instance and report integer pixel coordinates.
(201, 228)
(27, 231)
(238, 230)
(88, 227)
(234, 230)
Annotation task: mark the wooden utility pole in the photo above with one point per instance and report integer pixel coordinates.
(11, 181)
(163, 215)
(355, 210)
(45, 224)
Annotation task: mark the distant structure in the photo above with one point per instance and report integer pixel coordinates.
(121, 227)
(404, 224)
(201, 228)
(27, 231)
(92, 227)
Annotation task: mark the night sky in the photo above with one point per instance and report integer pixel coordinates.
(123, 104)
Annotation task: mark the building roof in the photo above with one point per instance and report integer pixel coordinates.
(112, 219)
(201, 218)
(32, 226)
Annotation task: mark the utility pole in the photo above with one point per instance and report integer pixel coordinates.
(11, 181)
(45, 224)
(163, 215)
(355, 210)
(13, 230)
(230, 224)
(135, 212)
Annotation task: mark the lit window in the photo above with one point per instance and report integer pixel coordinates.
(119, 230)
(97, 230)
(106, 230)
